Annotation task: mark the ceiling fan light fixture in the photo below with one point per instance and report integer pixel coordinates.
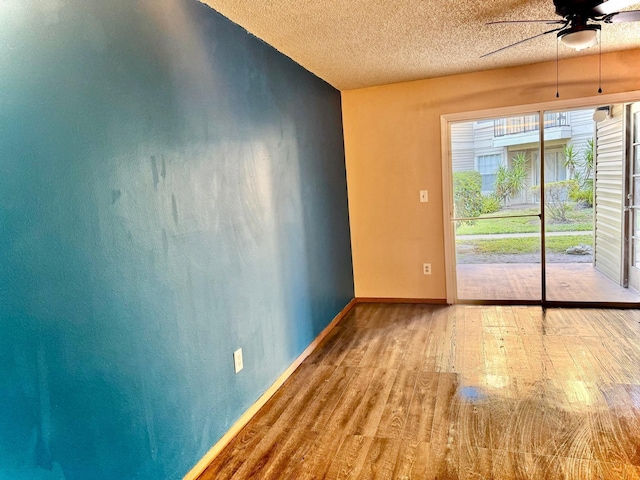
(581, 39)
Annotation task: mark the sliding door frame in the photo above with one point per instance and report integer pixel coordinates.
(447, 190)
(632, 273)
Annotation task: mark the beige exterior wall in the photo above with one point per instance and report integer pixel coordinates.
(393, 150)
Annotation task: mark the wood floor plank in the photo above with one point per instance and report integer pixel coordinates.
(317, 414)
(607, 434)
(586, 362)
(442, 429)
(388, 352)
(475, 463)
(539, 358)
(351, 457)
(226, 466)
(372, 405)
(608, 470)
(439, 325)
(320, 457)
(396, 409)
(288, 460)
(419, 423)
(463, 392)
(280, 401)
(258, 459)
(364, 339)
(414, 317)
(631, 472)
(528, 320)
(415, 349)
(338, 352)
(335, 338)
(448, 347)
(413, 461)
(601, 352)
(381, 459)
(473, 417)
(305, 397)
(347, 407)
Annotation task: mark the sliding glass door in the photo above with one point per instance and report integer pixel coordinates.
(547, 206)
(496, 216)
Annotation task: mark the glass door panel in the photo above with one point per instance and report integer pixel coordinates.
(585, 192)
(499, 258)
(496, 216)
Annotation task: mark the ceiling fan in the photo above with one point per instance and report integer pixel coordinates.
(580, 21)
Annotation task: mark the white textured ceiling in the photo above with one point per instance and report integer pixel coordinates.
(361, 43)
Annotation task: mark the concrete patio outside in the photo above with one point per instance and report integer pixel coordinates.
(570, 282)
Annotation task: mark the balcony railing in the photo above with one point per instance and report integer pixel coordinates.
(528, 123)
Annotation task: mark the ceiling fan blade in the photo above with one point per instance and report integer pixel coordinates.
(630, 16)
(612, 6)
(548, 22)
(523, 41)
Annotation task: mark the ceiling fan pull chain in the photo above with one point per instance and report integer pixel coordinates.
(557, 68)
(600, 64)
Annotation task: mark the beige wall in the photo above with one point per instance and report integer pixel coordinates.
(392, 141)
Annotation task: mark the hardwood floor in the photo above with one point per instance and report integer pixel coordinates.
(460, 392)
(566, 282)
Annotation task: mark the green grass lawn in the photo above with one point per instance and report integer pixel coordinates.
(580, 220)
(523, 245)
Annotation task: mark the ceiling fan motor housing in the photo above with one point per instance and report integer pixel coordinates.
(570, 8)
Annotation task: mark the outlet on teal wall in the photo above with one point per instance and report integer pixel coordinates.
(171, 189)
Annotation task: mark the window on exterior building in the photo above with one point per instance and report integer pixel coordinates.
(554, 169)
(487, 166)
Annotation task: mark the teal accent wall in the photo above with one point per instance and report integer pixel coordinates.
(171, 189)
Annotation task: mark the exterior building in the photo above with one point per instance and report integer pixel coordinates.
(484, 145)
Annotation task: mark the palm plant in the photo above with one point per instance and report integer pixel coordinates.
(510, 180)
(571, 161)
(587, 160)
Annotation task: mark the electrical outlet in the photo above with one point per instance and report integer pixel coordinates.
(424, 196)
(237, 360)
(426, 268)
